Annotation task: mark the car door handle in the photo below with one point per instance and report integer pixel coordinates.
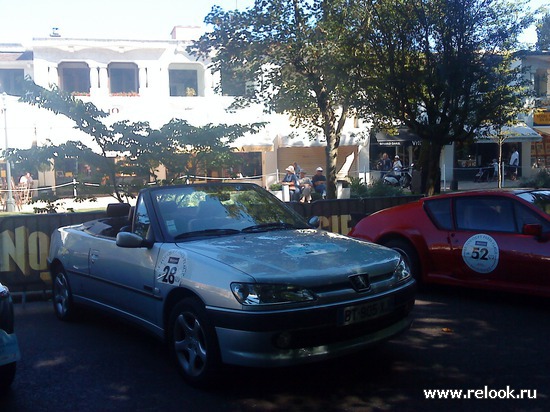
(94, 255)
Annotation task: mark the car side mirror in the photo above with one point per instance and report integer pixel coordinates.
(314, 222)
(131, 240)
(532, 230)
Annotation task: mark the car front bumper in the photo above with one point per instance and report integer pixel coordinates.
(9, 348)
(274, 339)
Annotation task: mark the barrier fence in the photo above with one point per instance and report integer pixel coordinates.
(25, 238)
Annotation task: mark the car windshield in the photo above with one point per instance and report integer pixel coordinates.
(538, 198)
(207, 210)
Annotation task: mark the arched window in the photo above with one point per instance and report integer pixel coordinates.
(123, 78)
(74, 77)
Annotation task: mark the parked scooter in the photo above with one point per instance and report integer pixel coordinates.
(399, 177)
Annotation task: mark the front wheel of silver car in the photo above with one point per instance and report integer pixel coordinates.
(7, 374)
(193, 342)
(62, 297)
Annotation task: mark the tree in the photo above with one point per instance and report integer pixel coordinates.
(443, 68)
(301, 58)
(543, 33)
(31, 160)
(178, 145)
(184, 149)
(204, 147)
(87, 118)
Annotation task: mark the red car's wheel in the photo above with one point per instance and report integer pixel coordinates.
(407, 251)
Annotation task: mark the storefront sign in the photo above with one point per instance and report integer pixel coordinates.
(541, 118)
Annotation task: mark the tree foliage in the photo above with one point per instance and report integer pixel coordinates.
(140, 149)
(298, 57)
(443, 68)
(87, 117)
(543, 33)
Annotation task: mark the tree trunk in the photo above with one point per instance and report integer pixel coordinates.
(332, 128)
(430, 171)
(331, 158)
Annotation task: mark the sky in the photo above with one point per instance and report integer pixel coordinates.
(23, 20)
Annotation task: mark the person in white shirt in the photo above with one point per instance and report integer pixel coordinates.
(514, 163)
(397, 163)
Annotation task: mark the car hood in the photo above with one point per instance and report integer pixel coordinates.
(272, 255)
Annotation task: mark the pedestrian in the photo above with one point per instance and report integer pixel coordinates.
(397, 165)
(305, 187)
(291, 180)
(514, 163)
(384, 164)
(320, 182)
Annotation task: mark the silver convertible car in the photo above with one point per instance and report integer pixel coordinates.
(9, 348)
(228, 274)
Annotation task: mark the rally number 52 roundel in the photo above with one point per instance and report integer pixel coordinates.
(480, 253)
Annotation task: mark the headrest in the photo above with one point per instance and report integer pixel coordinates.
(118, 209)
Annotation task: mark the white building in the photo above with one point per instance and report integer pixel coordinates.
(154, 81)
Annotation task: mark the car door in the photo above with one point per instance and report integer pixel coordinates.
(489, 247)
(436, 236)
(530, 268)
(124, 277)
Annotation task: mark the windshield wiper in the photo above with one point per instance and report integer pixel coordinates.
(208, 232)
(264, 227)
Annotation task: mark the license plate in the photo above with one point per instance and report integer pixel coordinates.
(366, 311)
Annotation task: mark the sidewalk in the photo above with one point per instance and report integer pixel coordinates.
(471, 185)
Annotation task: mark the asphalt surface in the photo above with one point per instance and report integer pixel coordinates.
(494, 343)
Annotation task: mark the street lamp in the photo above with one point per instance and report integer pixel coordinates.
(10, 204)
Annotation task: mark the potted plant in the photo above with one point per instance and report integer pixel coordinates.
(277, 190)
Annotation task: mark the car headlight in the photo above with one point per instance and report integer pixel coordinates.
(402, 271)
(4, 291)
(267, 294)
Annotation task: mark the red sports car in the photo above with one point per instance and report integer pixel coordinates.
(492, 239)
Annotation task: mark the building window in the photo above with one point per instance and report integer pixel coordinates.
(541, 83)
(11, 81)
(74, 77)
(233, 83)
(123, 78)
(183, 82)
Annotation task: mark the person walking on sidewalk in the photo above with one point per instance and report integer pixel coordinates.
(514, 163)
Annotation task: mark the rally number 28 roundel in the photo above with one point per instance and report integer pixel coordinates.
(171, 268)
(480, 253)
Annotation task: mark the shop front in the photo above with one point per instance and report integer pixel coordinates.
(475, 160)
(404, 144)
(540, 151)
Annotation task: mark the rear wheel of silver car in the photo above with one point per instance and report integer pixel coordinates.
(408, 253)
(193, 342)
(62, 297)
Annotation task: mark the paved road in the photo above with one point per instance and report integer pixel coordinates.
(460, 340)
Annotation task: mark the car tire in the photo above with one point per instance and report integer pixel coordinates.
(7, 375)
(407, 251)
(193, 343)
(62, 296)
